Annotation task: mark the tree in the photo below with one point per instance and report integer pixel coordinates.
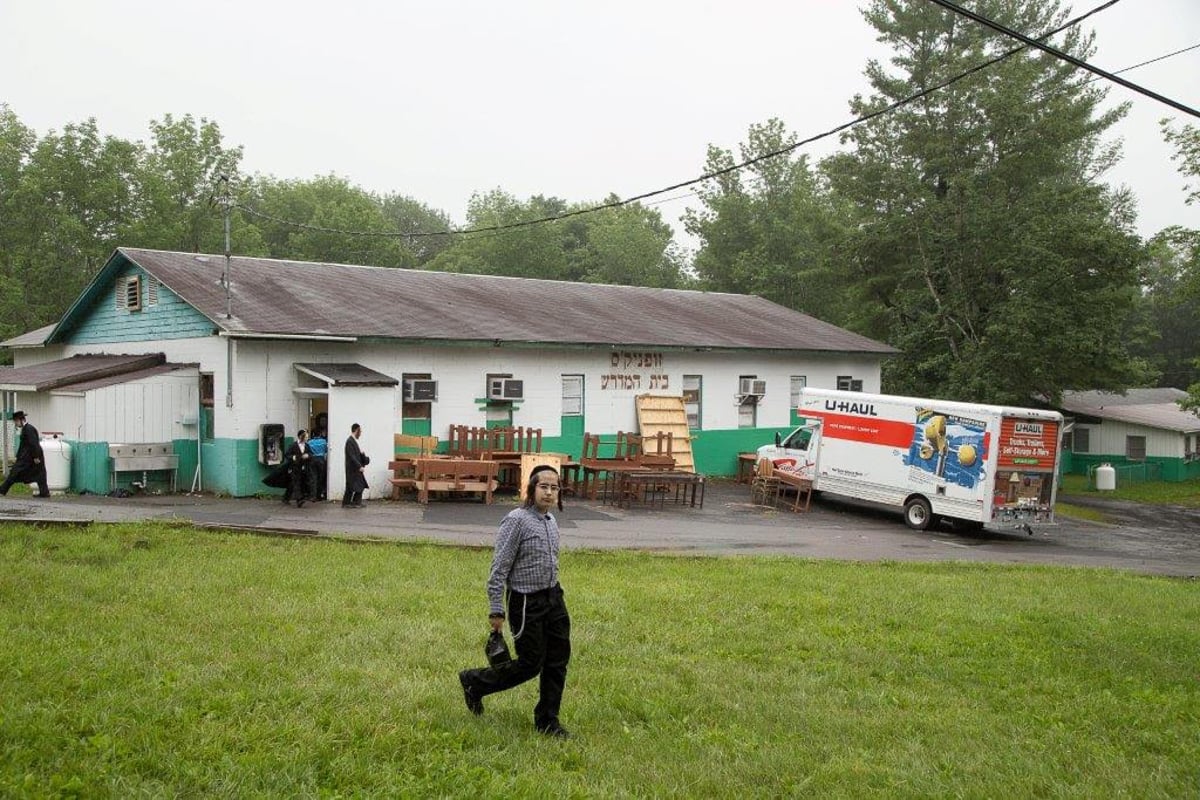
(627, 245)
(65, 199)
(985, 247)
(177, 185)
(324, 217)
(1187, 153)
(771, 229)
(410, 216)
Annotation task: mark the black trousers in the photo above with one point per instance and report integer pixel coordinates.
(541, 630)
(18, 475)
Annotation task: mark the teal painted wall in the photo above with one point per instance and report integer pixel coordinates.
(170, 318)
(91, 469)
(417, 427)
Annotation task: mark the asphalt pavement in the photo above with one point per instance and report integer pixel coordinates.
(1157, 540)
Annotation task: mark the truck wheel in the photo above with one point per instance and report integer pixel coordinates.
(918, 514)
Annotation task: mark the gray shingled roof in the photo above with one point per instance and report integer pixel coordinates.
(348, 375)
(300, 298)
(1154, 408)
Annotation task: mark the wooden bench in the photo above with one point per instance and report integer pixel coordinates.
(650, 485)
(451, 475)
(143, 458)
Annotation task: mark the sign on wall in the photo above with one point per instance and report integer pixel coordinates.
(635, 371)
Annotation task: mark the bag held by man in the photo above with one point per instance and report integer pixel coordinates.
(496, 649)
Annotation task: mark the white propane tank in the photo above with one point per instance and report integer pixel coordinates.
(1106, 478)
(58, 462)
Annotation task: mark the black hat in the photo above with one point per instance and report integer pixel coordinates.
(18, 415)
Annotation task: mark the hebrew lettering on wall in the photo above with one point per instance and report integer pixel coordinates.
(622, 378)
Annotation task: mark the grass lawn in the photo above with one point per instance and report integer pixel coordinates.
(154, 661)
(1176, 493)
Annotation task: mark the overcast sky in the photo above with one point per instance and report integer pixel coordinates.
(438, 100)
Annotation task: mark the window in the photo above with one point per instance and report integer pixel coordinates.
(415, 409)
(1081, 440)
(798, 382)
(1135, 448)
(206, 405)
(848, 383)
(692, 386)
(747, 405)
(572, 395)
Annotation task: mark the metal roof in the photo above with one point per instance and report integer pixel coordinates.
(124, 377)
(34, 338)
(1154, 408)
(74, 370)
(347, 375)
(272, 297)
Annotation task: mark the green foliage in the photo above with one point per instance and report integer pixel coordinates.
(772, 230)
(985, 249)
(155, 660)
(328, 203)
(625, 245)
(1186, 140)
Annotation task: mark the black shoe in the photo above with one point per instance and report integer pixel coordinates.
(299, 504)
(473, 700)
(42, 496)
(554, 730)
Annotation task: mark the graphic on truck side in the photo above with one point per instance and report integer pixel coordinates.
(947, 448)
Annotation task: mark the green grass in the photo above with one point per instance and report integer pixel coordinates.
(157, 661)
(1176, 493)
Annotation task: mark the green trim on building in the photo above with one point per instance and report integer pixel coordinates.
(1173, 470)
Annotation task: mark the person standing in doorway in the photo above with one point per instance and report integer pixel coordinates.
(299, 461)
(356, 470)
(318, 445)
(526, 561)
(30, 463)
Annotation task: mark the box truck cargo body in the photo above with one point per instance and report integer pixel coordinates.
(970, 463)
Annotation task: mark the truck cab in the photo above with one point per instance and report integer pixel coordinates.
(799, 447)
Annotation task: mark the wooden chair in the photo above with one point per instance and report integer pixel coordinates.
(764, 484)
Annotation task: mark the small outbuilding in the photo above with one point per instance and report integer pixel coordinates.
(1141, 426)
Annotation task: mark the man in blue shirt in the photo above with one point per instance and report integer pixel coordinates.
(526, 560)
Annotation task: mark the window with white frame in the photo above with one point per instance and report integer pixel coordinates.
(797, 383)
(747, 405)
(1135, 448)
(572, 395)
(692, 386)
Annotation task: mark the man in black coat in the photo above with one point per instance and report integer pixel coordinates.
(298, 460)
(30, 465)
(356, 468)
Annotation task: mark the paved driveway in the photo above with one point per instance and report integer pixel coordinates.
(1156, 540)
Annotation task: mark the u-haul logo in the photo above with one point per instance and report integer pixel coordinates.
(866, 409)
(1027, 428)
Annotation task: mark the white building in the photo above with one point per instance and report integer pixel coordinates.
(263, 342)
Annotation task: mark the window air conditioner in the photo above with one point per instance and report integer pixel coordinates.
(420, 391)
(750, 386)
(506, 389)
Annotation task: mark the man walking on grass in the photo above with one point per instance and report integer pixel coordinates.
(526, 560)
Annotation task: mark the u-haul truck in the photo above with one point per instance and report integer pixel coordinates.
(972, 464)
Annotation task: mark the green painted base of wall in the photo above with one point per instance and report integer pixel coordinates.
(229, 467)
(1172, 470)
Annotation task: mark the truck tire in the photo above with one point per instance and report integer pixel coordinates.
(918, 514)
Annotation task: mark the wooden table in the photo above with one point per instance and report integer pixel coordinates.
(801, 486)
(651, 484)
(745, 467)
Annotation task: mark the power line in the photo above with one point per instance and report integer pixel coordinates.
(494, 229)
(1059, 54)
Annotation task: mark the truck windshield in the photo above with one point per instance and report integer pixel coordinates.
(799, 439)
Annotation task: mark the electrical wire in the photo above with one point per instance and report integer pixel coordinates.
(499, 228)
(1063, 56)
